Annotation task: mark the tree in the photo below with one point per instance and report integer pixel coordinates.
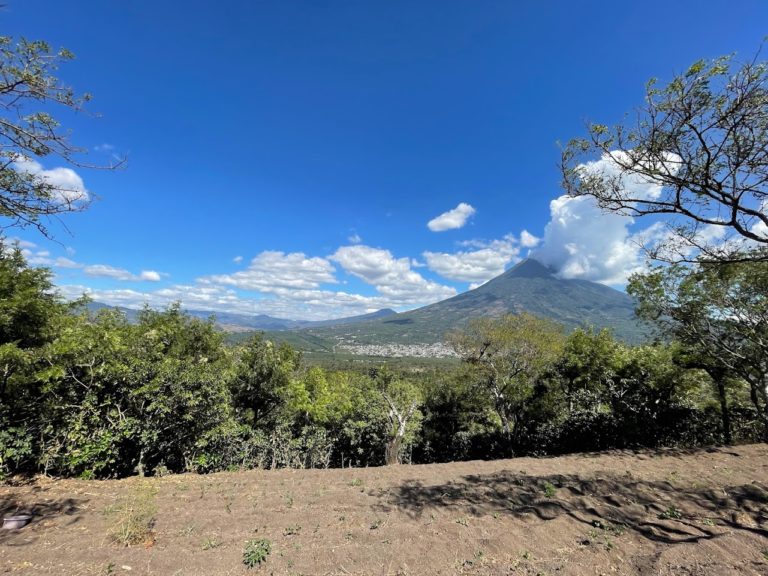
(402, 399)
(29, 318)
(586, 367)
(29, 89)
(697, 155)
(721, 310)
(509, 353)
(262, 371)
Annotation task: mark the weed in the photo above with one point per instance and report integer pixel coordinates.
(615, 529)
(134, 517)
(526, 555)
(291, 530)
(463, 521)
(289, 500)
(256, 552)
(228, 505)
(671, 513)
(211, 543)
(187, 530)
(708, 522)
(356, 482)
(549, 489)
(765, 553)
(376, 524)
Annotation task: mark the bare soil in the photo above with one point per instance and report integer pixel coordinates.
(669, 513)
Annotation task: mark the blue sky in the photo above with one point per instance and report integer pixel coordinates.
(286, 157)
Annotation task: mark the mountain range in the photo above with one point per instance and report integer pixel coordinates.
(529, 286)
(233, 322)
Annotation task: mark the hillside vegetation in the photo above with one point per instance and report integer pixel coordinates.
(99, 396)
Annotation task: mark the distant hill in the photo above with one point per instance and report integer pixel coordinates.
(243, 322)
(528, 287)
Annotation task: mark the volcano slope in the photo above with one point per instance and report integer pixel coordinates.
(666, 512)
(527, 287)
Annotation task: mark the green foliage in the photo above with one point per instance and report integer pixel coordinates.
(586, 368)
(549, 489)
(509, 355)
(16, 448)
(719, 312)
(671, 513)
(261, 372)
(256, 552)
(93, 395)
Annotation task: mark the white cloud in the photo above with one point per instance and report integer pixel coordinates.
(106, 271)
(392, 277)
(489, 260)
(528, 240)
(271, 269)
(284, 303)
(68, 188)
(62, 262)
(628, 183)
(452, 219)
(581, 241)
(354, 238)
(237, 259)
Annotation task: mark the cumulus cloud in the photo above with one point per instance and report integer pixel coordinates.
(528, 240)
(487, 260)
(68, 188)
(452, 219)
(62, 262)
(106, 271)
(392, 277)
(581, 241)
(283, 303)
(629, 184)
(272, 269)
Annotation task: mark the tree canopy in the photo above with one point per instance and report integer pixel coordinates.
(30, 94)
(696, 155)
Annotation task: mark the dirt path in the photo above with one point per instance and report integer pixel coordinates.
(681, 513)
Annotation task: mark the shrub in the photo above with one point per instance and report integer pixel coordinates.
(256, 552)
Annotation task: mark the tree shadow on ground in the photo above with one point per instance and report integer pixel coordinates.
(43, 512)
(657, 510)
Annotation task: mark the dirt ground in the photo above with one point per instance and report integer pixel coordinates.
(671, 512)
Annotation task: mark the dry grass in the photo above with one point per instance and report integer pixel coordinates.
(132, 519)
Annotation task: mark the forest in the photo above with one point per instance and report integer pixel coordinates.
(91, 395)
